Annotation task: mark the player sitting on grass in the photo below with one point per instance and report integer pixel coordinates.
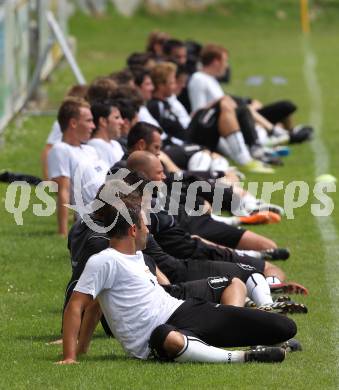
(144, 318)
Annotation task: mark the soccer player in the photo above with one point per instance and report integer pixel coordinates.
(144, 318)
(74, 166)
(108, 124)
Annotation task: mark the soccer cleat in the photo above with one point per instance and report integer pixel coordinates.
(277, 140)
(275, 254)
(256, 166)
(265, 354)
(282, 151)
(291, 345)
(282, 298)
(287, 307)
(272, 160)
(263, 217)
(249, 303)
(261, 206)
(288, 288)
(300, 134)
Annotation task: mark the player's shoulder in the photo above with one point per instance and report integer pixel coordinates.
(198, 76)
(98, 260)
(60, 152)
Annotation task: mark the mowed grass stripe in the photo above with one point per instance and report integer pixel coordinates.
(326, 225)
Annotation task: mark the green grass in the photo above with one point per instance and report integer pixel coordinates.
(34, 261)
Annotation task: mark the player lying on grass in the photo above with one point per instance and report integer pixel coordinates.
(145, 319)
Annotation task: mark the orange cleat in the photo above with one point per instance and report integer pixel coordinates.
(262, 217)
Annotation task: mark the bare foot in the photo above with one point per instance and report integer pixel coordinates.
(55, 342)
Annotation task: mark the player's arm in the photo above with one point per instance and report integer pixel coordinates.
(161, 277)
(71, 325)
(44, 160)
(63, 198)
(196, 237)
(89, 322)
(168, 162)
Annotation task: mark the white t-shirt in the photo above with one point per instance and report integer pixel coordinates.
(82, 165)
(131, 299)
(111, 152)
(55, 134)
(203, 89)
(179, 110)
(145, 116)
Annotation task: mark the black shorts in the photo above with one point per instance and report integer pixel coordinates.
(182, 154)
(197, 269)
(223, 326)
(203, 129)
(209, 289)
(278, 111)
(218, 232)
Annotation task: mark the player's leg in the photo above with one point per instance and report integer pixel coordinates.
(230, 326)
(224, 289)
(169, 341)
(250, 240)
(248, 281)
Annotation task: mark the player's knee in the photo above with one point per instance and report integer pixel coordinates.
(174, 343)
(239, 284)
(285, 327)
(266, 243)
(166, 342)
(227, 104)
(288, 107)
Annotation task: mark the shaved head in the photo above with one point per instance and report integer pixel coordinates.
(146, 164)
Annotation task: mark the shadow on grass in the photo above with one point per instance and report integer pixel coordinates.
(52, 337)
(36, 233)
(41, 338)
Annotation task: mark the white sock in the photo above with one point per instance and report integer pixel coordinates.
(196, 350)
(232, 221)
(249, 201)
(234, 146)
(262, 134)
(273, 280)
(258, 290)
(251, 253)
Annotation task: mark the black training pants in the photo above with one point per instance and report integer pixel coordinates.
(224, 326)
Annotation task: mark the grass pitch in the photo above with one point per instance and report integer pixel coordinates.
(263, 39)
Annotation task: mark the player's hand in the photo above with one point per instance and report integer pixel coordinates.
(67, 361)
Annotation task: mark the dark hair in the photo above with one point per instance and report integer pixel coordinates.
(171, 44)
(101, 88)
(123, 77)
(141, 130)
(211, 52)
(181, 69)
(78, 90)
(128, 108)
(112, 216)
(128, 93)
(138, 59)
(139, 74)
(131, 179)
(156, 37)
(102, 109)
(70, 108)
